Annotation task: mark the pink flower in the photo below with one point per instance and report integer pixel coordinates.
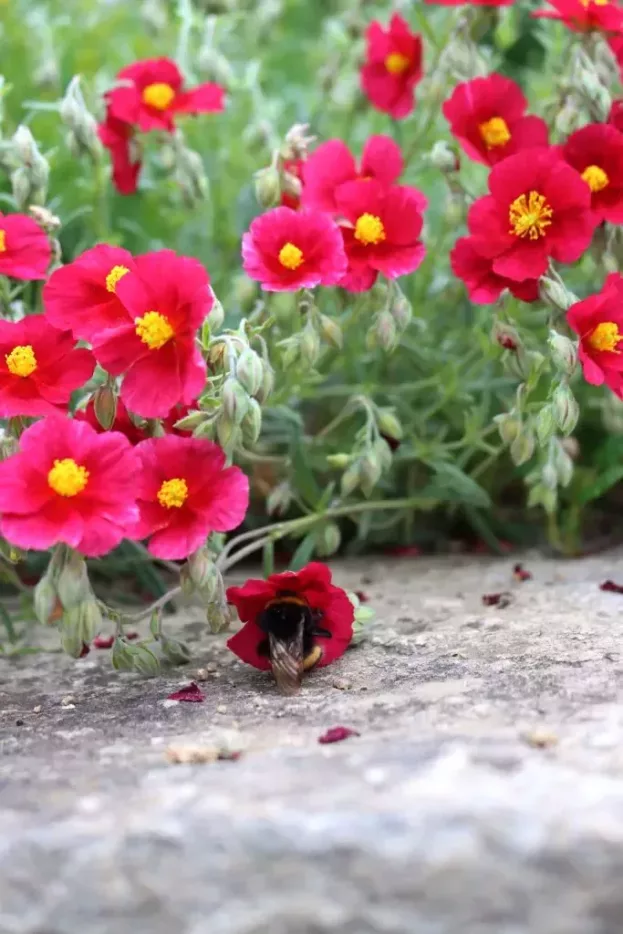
(39, 367)
(25, 250)
(118, 138)
(392, 68)
(332, 164)
(67, 483)
(287, 250)
(82, 296)
(596, 152)
(484, 286)
(184, 493)
(381, 233)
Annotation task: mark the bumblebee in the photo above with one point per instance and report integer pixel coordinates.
(291, 628)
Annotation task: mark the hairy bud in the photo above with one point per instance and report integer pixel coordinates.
(545, 424)
(509, 426)
(564, 352)
(105, 406)
(522, 448)
(267, 184)
(252, 422)
(249, 371)
(389, 425)
(235, 400)
(45, 599)
(81, 124)
(445, 158)
(279, 499)
(331, 331)
(556, 294)
(565, 408)
(328, 540)
(73, 585)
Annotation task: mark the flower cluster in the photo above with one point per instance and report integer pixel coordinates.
(148, 97)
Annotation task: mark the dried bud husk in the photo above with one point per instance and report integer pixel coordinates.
(218, 617)
(331, 331)
(45, 599)
(564, 352)
(545, 424)
(105, 405)
(72, 585)
(44, 218)
(297, 142)
(328, 539)
(249, 371)
(235, 400)
(389, 425)
(267, 183)
(565, 408)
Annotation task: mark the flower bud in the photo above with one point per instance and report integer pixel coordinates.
(249, 371)
(383, 452)
(444, 157)
(556, 294)
(192, 421)
(540, 495)
(226, 432)
(545, 424)
(218, 617)
(73, 585)
(389, 425)
(563, 351)
(202, 571)
(83, 136)
(105, 406)
(522, 448)
(44, 218)
(267, 183)
(144, 661)
(154, 15)
(175, 652)
(331, 331)
(505, 335)
(214, 66)
(370, 470)
(190, 174)
(217, 315)
(328, 540)
(252, 422)
(309, 344)
(563, 464)
(340, 461)
(509, 426)
(385, 332)
(351, 479)
(565, 408)
(279, 499)
(297, 142)
(235, 400)
(401, 311)
(78, 627)
(549, 476)
(45, 599)
(122, 655)
(268, 382)
(21, 188)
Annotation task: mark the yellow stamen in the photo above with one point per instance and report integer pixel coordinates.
(369, 229)
(154, 329)
(290, 256)
(495, 132)
(67, 478)
(396, 63)
(530, 215)
(21, 361)
(173, 493)
(606, 336)
(2, 241)
(116, 273)
(595, 178)
(158, 95)
(586, 3)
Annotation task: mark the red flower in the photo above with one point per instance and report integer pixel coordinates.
(596, 152)
(616, 47)
(598, 321)
(483, 285)
(118, 138)
(25, 250)
(384, 225)
(538, 207)
(39, 367)
(287, 250)
(166, 301)
(150, 96)
(329, 616)
(294, 167)
(184, 493)
(122, 423)
(584, 15)
(615, 117)
(393, 67)
(470, 2)
(487, 116)
(333, 164)
(82, 296)
(68, 484)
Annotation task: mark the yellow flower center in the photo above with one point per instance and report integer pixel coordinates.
(116, 273)
(495, 132)
(2, 241)
(159, 95)
(595, 178)
(173, 493)
(154, 329)
(68, 478)
(290, 256)
(369, 229)
(21, 361)
(606, 336)
(396, 63)
(530, 215)
(586, 3)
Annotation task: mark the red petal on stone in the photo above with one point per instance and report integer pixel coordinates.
(362, 596)
(131, 636)
(611, 587)
(85, 650)
(191, 694)
(497, 599)
(336, 734)
(520, 574)
(103, 642)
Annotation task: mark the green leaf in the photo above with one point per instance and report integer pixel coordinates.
(453, 480)
(304, 552)
(601, 485)
(304, 481)
(268, 558)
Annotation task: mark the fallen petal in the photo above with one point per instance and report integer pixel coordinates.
(611, 587)
(191, 694)
(336, 734)
(103, 642)
(497, 599)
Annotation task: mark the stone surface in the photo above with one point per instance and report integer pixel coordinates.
(484, 794)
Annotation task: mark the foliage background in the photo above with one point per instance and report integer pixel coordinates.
(287, 61)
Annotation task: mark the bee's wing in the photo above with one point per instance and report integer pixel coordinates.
(286, 657)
